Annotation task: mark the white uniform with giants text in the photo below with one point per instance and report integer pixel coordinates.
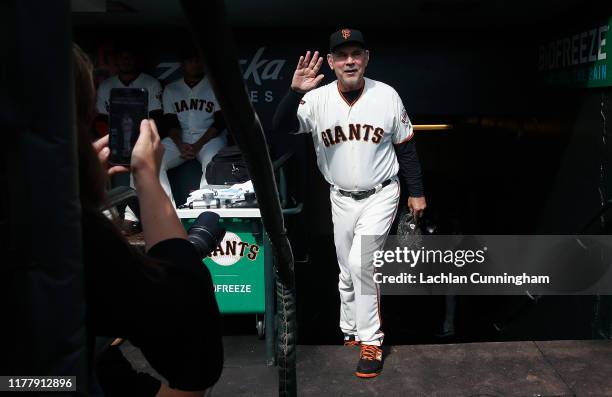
(194, 107)
(151, 84)
(354, 148)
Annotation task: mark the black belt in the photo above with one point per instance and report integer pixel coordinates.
(364, 194)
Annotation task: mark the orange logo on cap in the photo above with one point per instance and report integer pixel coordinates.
(346, 33)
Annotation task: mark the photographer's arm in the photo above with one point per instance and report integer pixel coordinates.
(158, 217)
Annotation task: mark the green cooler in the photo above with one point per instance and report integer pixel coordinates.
(241, 267)
(237, 264)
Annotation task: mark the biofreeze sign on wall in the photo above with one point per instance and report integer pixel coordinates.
(578, 59)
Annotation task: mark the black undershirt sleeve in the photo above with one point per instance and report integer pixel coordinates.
(158, 117)
(410, 168)
(219, 122)
(285, 118)
(170, 120)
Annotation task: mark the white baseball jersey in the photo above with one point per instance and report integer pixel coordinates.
(194, 107)
(151, 84)
(354, 144)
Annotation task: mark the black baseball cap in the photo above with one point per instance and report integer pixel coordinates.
(345, 36)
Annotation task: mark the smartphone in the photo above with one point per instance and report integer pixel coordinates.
(128, 107)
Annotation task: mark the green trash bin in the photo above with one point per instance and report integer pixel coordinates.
(237, 265)
(242, 268)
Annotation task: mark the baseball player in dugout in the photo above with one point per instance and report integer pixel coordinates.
(128, 75)
(193, 119)
(362, 138)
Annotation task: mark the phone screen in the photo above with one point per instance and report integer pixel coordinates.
(128, 107)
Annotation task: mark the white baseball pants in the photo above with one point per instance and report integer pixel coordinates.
(373, 216)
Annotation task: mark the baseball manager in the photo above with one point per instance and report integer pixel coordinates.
(362, 138)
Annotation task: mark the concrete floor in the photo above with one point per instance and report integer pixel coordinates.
(552, 368)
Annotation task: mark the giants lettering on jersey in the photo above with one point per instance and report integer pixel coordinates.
(357, 132)
(194, 104)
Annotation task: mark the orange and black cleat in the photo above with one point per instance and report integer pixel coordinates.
(370, 361)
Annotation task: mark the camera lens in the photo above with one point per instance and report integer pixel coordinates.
(206, 233)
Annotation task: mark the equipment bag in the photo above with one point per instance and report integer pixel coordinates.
(227, 167)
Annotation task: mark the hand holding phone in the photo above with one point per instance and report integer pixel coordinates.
(128, 107)
(100, 146)
(147, 154)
